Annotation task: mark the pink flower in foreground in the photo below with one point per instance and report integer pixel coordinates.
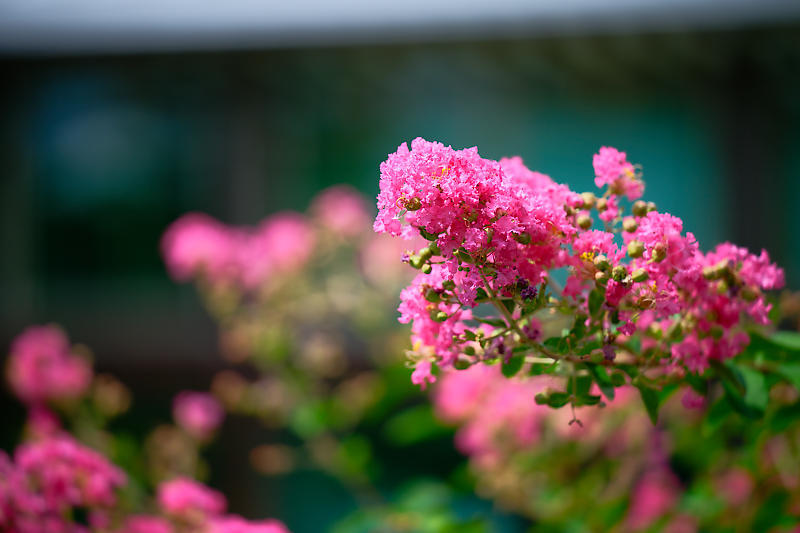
(187, 498)
(41, 367)
(613, 169)
(342, 210)
(199, 413)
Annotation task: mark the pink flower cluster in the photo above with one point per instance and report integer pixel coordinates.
(198, 245)
(498, 229)
(50, 479)
(198, 413)
(42, 368)
(190, 503)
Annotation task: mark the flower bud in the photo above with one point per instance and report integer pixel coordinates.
(635, 249)
(659, 252)
(588, 199)
(448, 284)
(584, 221)
(438, 316)
(619, 272)
(639, 208)
(601, 277)
(654, 330)
(426, 268)
(717, 332)
(413, 204)
(617, 378)
(416, 262)
(651, 206)
(710, 273)
(674, 331)
(462, 363)
(630, 225)
(432, 296)
(602, 204)
(640, 275)
(722, 287)
(522, 238)
(749, 294)
(601, 263)
(541, 398)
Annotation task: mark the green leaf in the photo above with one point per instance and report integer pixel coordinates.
(588, 399)
(558, 399)
(757, 393)
(603, 380)
(788, 340)
(791, 372)
(579, 326)
(650, 399)
(496, 322)
(513, 365)
(509, 304)
(596, 299)
(413, 425)
(579, 385)
(729, 376)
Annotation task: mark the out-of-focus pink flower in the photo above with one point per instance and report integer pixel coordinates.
(42, 422)
(736, 486)
(187, 498)
(342, 210)
(380, 259)
(237, 524)
(41, 367)
(282, 243)
(198, 244)
(653, 497)
(199, 413)
(146, 524)
(691, 399)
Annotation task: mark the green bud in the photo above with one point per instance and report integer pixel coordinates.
(413, 204)
(639, 208)
(651, 207)
(416, 262)
(710, 273)
(602, 204)
(619, 272)
(588, 199)
(584, 221)
(654, 330)
(639, 275)
(601, 277)
(659, 252)
(750, 294)
(469, 350)
(426, 268)
(717, 332)
(630, 225)
(522, 238)
(489, 234)
(601, 263)
(541, 398)
(635, 249)
(462, 363)
(434, 248)
(722, 287)
(569, 210)
(426, 253)
(438, 316)
(675, 331)
(448, 284)
(617, 378)
(432, 296)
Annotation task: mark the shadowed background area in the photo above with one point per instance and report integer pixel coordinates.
(101, 151)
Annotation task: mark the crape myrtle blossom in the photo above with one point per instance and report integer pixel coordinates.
(42, 367)
(198, 246)
(198, 413)
(497, 232)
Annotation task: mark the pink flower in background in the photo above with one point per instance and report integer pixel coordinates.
(42, 422)
(57, 474)
(692, 399)
(736, 486)
(198, 244)
(187, 498)
(146, 524)
(282, 242)
(380, 259)
(653, 497)
(236, 524)
(199, 413)
(342, 210)
(41, 367)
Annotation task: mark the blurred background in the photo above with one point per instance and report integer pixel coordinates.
(118, 119)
